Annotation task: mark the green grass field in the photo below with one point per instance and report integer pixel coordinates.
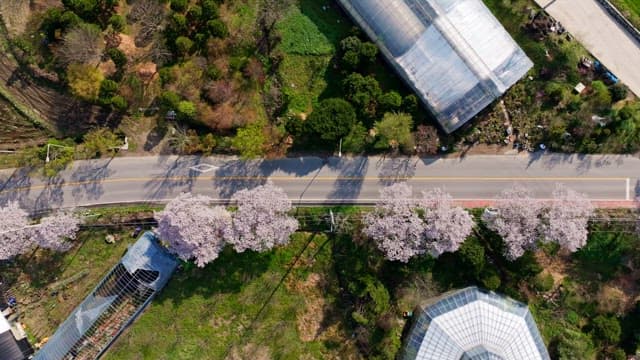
(246, 306)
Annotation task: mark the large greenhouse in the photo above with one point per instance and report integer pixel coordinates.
(474, 324)
(454, 53)
(121, 296)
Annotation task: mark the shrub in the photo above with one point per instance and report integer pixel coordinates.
(217, 28)
(169, 99)
(250, 140)
(543, 282)
(119, 103)
(118, 57)
(179, 5)
(356, 140)
(601, 96)
(117, 22)
(187, 110)
(618, 92)
(108, 88)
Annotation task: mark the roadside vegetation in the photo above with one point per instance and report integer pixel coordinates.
(630, 9)
(338, 290)
(264, 77)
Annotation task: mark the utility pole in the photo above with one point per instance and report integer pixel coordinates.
(340, 148)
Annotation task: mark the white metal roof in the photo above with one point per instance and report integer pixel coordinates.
(4, 324)
(453, 53)
(474, 324)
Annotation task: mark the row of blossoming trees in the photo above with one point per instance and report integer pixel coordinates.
(195, 230)
(19, 234)
(403, 228)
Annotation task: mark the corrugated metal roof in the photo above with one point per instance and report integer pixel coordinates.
(453, 53)
(9, 349)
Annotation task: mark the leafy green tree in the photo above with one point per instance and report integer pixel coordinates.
(84, 81)
(369, 51)
(184, 45)
(331, 120)
(390, 101)
(350, 47)
(606, 329)
(356, 140)
(98, 142)
(394, 131)
(117, 22)
(572, 344)
(210, 9)
(250, 140)
(363, 92)
(410, 104)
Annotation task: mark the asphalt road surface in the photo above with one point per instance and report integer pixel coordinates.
(314, 180)
(601, 35)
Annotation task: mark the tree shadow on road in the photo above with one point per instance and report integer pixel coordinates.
(351, 173)
(89, 176)
(247, 174)
(178, 174)
(51, 196)
(16, 187)
(396, 169)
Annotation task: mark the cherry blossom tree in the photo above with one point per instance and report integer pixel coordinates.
(14, 229)
(261, 221)
(516, 219)
(394, 225)
(55, 230)
(193, 229)
(446, 226)
(566, 220)
(18, 235)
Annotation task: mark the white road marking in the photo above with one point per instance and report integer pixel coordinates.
(628, 197)
(203, 168)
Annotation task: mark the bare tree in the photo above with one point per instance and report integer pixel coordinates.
(394, 225)
(446, 226)
(426, 139)
(567, 219)
(82, 44)
(193, 229)
(149, 14)
(516, 220)
(261, 221)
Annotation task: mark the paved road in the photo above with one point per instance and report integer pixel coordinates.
(601, 35)
(314, 180)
